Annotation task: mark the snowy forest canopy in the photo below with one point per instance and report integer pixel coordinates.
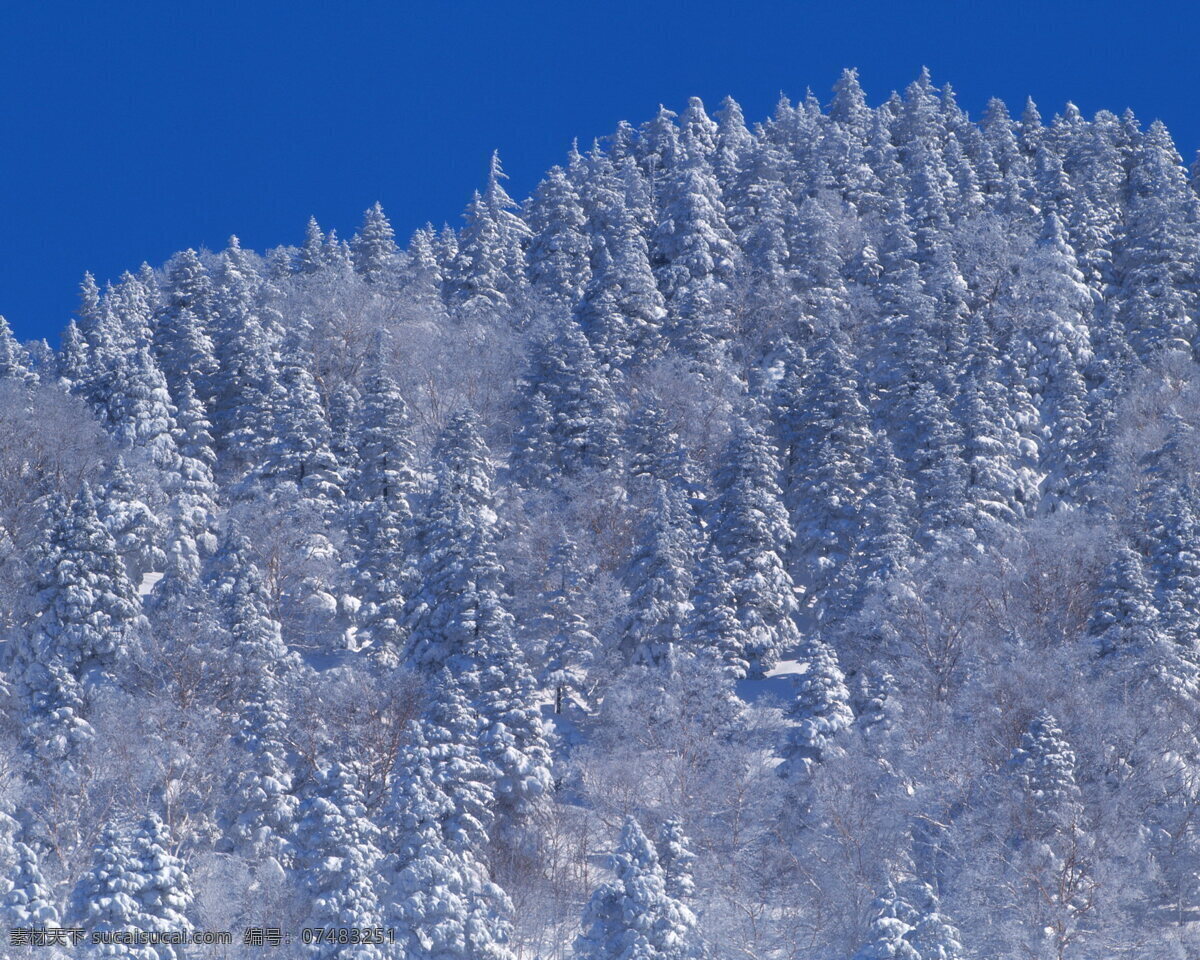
(771, 542)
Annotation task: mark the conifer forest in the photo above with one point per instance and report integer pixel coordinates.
(772, 539)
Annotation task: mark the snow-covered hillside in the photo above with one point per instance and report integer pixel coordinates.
(766, 542)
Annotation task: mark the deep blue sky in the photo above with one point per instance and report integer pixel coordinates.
(131, 130)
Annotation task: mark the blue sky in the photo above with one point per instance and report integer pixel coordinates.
(133, 129)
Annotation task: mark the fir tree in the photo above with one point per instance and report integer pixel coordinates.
(633, 915)
(375, 253)
(443, 904)
(676, 857)
(303, 455)
(558, 255)
(489, 266)
(821, 708)
(751, 531)
(340, 862)
(135, 530)
(134, 884)
(659, 578)
(576, 427)
(14, 359)
(1124, 619)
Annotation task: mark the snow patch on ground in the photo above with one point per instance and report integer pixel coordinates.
(778, 684)
(787, 668)
(148, 582)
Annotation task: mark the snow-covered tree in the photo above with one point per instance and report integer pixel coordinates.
(660, 579)
(569, 415)
(751, 531)
(374, 248)
(340, 862)
(633, 915)
(134, 884)
(442, 902)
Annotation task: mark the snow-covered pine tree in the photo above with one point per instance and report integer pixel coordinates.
(820, 710)
(442, 903)
(714, 628)
(459, 619)
(384, 484)
(676, 858)
(133, 526)
(633, 915)
(752, 532)
(694, 257)
(891, 929)
(559, 250)
(933, 935)
(1124, 621)
(14, 359)
(374, 248)
(449, 734)
(302, 437)
(134, 884)
(85, 616)
(139, 412)
(569, 418)
(30, 901)
(488, 272)
(340, 860)
(825, 438)
(560, 633)
(259, 809)
(621, 310)
(660, 580)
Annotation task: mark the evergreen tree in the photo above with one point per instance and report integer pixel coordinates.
(383, 487)
(714, 627)
(827, 436)
(424, 276)
(1175, 561)
(694, 257)
(632, 915)
(1124, 619)
(340, 863)
(1156, 262)
(576, 426)
(558, 255)
(449, 734)
(14, 359)
(676, 857)
(459, 619)
(139, 411)
(183, 324)
(821, 708)
(311, 258)
(933, 935)
(891, 929)
(259, 814)
(622, 310)
(455, 556)
(751, 531)
(135, 530)
(1044, 768)
(303, 455)
(85, 616)
(374, 249)
(192, 534)
(561, 634)
(29, 902)
(659, 579)
(489, 267)
(134, 884)
(443, 904)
